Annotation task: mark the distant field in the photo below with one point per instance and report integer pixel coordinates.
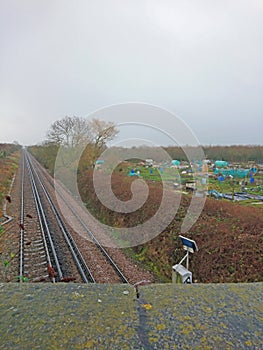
(151, 173)
(181, 177)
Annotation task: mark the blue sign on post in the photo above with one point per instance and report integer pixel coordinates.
(189, 244)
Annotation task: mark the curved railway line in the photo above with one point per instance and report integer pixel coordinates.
(48, 251)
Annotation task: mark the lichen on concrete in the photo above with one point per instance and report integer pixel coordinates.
(166, 316)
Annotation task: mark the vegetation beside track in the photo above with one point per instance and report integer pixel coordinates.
(229, 235)
(9, 159)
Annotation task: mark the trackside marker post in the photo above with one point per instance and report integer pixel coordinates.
(181, 274)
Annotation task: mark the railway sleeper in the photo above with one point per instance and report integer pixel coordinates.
(36, 249)
(38, 240)
(39, 278)
(41, 256)
(31, 272)
(33, 248)
(37, 244)
(38, 264)
(30, 252)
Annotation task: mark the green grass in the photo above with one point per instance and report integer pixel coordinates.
(227, 186)
(154, 174)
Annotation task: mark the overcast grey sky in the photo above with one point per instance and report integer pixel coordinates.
(199, 59)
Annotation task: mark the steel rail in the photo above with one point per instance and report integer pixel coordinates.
(21, 269)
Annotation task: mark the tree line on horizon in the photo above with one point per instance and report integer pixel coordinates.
(6, 149)
(93, 135)
(234, 153)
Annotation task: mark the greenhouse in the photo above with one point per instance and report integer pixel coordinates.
(236, 173)
(221, 163)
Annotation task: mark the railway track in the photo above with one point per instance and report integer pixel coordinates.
(47, 245)
(95, 240)
(41, 255)
(34, 255)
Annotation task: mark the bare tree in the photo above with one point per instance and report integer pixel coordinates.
(81, 132)
(69, 131)
(72, 132)
(100, 132)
